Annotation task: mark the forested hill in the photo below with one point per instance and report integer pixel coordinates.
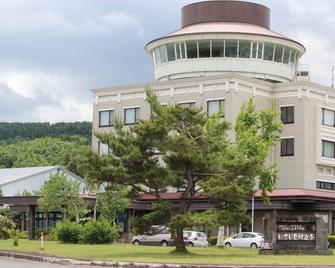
(13, 132)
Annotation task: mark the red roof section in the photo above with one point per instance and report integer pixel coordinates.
(296, 192)
(168, 196)
(276, 194)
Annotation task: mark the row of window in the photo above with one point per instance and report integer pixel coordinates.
(132, 115)
(220, 48)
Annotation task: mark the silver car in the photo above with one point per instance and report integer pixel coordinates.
(195, 239)
(245, 239)
(158, 235)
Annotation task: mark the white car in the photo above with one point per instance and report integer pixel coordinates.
(245, 239)
(195, 239)
(158, 235)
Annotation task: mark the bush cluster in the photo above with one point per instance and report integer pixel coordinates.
(331, 240)
(212, 241)
(92, 232)
(7, 226)
(68, 231)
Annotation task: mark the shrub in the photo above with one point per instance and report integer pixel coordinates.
(212, 240)
(68, 232)
(22, 235)
(52, 235)
(7, 226)
(331, 241)
(99, 232)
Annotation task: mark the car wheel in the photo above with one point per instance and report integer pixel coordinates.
(253, 245)
(136, 243)
(164, 243)
(228, 245)
(190, 244)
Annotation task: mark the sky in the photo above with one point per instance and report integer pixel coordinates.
(52, 52)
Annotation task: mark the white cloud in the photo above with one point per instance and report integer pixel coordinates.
(313, 24)
(56, 96)
(51, 23)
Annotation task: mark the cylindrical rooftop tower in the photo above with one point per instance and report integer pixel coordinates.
(225, 36)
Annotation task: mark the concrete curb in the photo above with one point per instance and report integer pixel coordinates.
(96, 263)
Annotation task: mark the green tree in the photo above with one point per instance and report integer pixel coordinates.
(60, 193)
(44, 152)
(111, 200)
(183, 148)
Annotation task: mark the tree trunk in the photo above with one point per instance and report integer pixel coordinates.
(180, 246)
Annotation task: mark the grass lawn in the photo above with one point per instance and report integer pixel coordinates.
(126, 252)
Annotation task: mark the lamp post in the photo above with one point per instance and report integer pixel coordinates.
(252, 212)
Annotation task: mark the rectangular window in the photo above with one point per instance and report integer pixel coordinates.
(325, 185)
(287, 114)
(215, 106)
(182, 50)
(187, 104)
(192, 49)
(286, 57)
(292, 57)
(287, 147)
(268, 51)
(163, 54)
(131, 116)
(244, 49)
(177, 45)
(231, 48)
(328, 149)
(204, 49)
(278, 53)
(217, 48)
(328, 117)
(106, 118)
(170, 52)
(260, 50)
(157, 56)
(103, 149)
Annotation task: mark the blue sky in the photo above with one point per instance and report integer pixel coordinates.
(53, 52)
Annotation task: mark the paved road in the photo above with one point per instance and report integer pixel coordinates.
(16, 263)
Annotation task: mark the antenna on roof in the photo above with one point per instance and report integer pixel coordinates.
(332, 76)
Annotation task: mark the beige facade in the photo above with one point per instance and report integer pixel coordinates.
(301, 170)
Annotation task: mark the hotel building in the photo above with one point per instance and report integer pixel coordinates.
(224, 54)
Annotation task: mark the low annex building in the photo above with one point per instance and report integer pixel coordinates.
(20, 188)
(224, 54)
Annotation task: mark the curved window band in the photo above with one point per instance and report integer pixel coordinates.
(220, 48)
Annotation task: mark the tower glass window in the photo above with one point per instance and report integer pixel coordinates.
(244, 49)
(192, 49)
(162, 54)
(328, 117)
(286, 57)
(217, 48)
(287, 114)
(106, 118)
(231, 48)
(204, 49)
(131, 115)
(287, 147)
(328, 149)
(170, 52)
(278, 53)
(268, 51)
(214, 106)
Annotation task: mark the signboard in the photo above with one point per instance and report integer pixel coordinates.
(302, 231)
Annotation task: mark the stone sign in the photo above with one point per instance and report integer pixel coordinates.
(295, 234)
